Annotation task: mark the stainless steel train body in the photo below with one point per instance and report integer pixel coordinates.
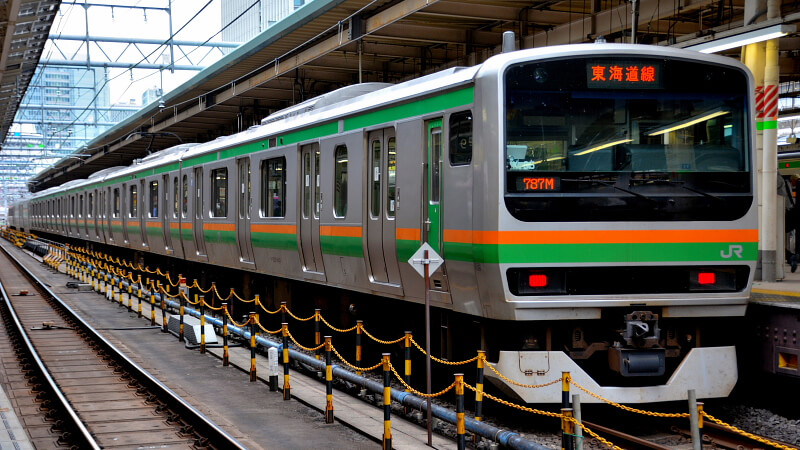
(573, 192)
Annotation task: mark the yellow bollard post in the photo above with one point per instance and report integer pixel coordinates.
(164, 323)
(567, 429)
(202, 302)
(700, 421)
(287, 388)
(152, 302)
(225, 355)
(317, 332)
(479, 386)
(328, 381)
(387, 402)
(139, 290)
(130, 295)
(461, 441)
(252, 320)
(359, 332)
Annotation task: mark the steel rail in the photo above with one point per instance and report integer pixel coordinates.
(216, 436)
(84, 437)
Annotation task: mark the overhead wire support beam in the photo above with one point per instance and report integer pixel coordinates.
(119, 65)
(143, 41)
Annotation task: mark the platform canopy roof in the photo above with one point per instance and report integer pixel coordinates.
(24, 27)
(327, 44)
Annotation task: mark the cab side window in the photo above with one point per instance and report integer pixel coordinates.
(461, 138)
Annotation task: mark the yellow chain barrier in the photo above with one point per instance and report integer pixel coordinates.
(298, 318)
(308, 349)
(441, 361)
(216, 292)
(207, 305)
(265, 308)
(234, 294)
(628, 408)
(179, 294)
(195, 285)
(510, 381)
(240, 325)
(193, 303)
(548, 414)
(338, 330)
(169, 280)
(346, 363)
(746, 434)
(266, 330)
(379, 340)
(416, 392)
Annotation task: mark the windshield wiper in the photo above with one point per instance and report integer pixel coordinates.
(611, 185)
(682, 185)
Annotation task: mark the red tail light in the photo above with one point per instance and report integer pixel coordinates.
(537, 280)
(706, 278)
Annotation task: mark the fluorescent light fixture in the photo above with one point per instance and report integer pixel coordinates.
(688, 122)
(602, 146)
(742, 39)
(552, 158)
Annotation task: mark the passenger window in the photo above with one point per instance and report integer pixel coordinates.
(340, 182)
(90, 213)
(273, 187)
(461, 138)
(391, 177)
(80, 209)
(219, 193)
(154, 199)
(116, 203)
(72, 207)
(436, 163)
(176, 197)
(306, 185)
(134, 202)
(375, 179)
(185, 196)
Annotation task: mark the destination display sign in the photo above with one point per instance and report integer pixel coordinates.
(538, 184)
(623, 75)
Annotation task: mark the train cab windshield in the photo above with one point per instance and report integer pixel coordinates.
(620, 139)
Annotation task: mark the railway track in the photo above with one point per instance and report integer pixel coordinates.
(90, 394)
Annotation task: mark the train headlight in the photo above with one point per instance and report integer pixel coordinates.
(712, 280)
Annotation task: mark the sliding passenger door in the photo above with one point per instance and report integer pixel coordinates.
(243, 211)
(199, 240)
(432, 198)
(165, 212)
(380, 217)
(309, 209)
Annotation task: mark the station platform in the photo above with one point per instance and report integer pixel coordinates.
(12, 433)
(257, 417)
(783, 293)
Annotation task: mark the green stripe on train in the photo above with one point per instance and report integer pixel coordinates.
(278, 241)
(219, 237)
(603, 253)
(417, 108)
(342, 246)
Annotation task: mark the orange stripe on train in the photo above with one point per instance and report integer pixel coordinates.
(219, 226)
(408, 234)
(599, 236)
(266, 228)
(340, 231)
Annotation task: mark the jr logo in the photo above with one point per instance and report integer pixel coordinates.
(732, 250)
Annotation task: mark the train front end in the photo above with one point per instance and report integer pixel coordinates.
(625, 239)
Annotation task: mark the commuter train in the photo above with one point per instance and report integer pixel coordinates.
(593, 205)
